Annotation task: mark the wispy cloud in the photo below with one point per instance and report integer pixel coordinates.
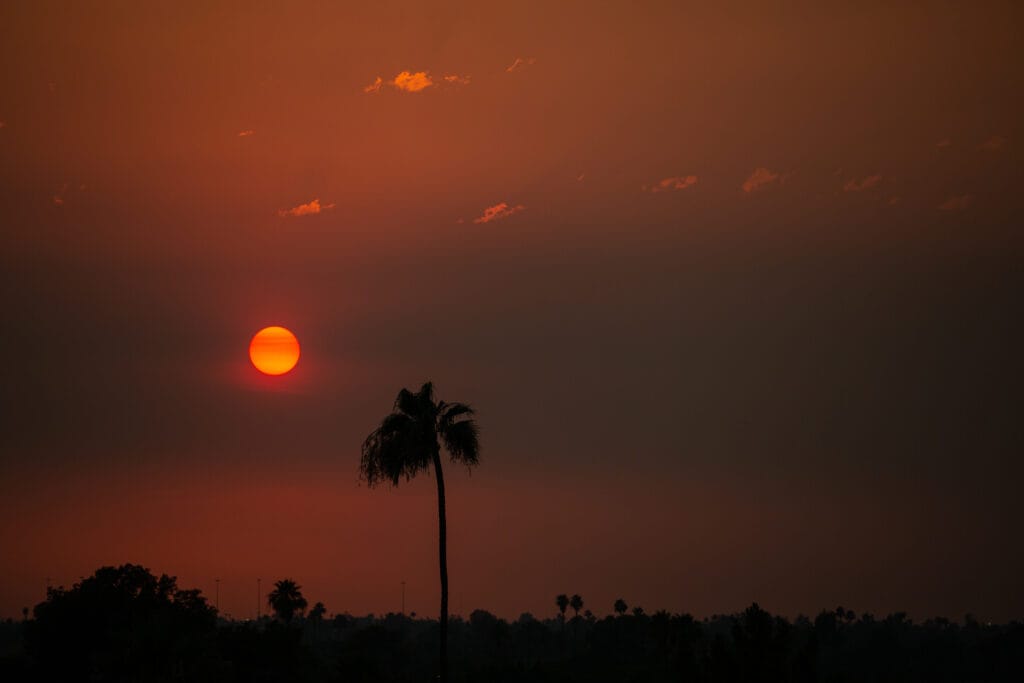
(996, 142)
(674, 183)
(867, 183)
(2, 124)
(519, 63)
(957, 203)
(246, 133)
(313, 207)
(498, 211)
(455, 79)
(412, 82)
(760, 178)
(943, 143)
(374, 87)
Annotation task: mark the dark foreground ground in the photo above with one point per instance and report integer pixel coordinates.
(123, 626)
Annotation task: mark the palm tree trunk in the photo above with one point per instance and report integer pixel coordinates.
(443, 552)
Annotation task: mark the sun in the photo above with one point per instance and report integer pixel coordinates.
(274, 350)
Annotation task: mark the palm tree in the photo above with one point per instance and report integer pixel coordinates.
(407, 442)
(576, 602)
(621, 607)
(562, 600)
(286, 599)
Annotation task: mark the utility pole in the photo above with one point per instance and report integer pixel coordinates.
(216, 600)
(259, 595)
(403, 598)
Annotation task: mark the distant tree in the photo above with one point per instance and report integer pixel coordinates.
(286, 599)
(576, 602)
(562, 600)
(316, 616)
(123, 624)
(588, 615)
(621, 607)
(407, 442)
(638, 611)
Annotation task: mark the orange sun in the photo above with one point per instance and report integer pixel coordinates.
(274, 350)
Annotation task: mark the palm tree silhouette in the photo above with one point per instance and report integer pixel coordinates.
(562, 600)
(576, 602)
(621, 607)
(286, 599)
(407, 442)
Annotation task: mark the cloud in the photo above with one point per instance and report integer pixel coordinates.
(864, 184)
(957, 203)
(314, 207)
(246, 133)
(498, 211)
(761, 177)
(994, 143)
(674, 183)
(412, 82)
(58, 201)
(519, 63)
(944, 142)
(2, 124)
(409, 81)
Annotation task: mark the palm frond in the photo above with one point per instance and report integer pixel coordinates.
(407, 402)
(448, 413)
(462, 441)
(393, 451)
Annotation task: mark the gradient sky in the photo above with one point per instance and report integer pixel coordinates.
(735, 289)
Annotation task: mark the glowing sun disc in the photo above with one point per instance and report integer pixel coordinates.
(274, 350)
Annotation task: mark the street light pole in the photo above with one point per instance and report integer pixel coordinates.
(259, 596)
(403, 598)
(216, 599)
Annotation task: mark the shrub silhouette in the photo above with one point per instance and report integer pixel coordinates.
(123, 623)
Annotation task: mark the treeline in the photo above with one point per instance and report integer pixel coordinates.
(124, 624)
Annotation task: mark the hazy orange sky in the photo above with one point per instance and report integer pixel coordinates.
(735, 290)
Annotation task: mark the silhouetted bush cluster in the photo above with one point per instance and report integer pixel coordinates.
(124, 624)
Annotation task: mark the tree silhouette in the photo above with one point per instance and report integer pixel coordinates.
(562, 600)
(316, 616)
(576, 602)
(621, 607)
(122, 624)
(286, 599)
(407, 442)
